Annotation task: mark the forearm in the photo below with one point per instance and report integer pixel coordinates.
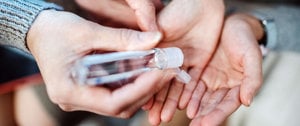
(16, 17)
(286, 17)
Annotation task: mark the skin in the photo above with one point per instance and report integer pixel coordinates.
(136, 14)
(198, 23)
(57, 39)
(234, 73)
(223, 77)
(177, 33)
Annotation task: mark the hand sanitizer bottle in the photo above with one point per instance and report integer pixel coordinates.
(119, 68)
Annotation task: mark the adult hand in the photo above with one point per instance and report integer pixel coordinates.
(137, 14)
(233, 76)
(57, 39)
(194, 26)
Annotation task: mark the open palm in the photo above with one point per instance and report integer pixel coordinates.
(195, 29)
(233, 75)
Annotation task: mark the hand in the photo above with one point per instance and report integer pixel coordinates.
(57, 39)
(137, 14)
(194, 26)
(233, 76)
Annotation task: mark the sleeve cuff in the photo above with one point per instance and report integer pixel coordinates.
(16, 18)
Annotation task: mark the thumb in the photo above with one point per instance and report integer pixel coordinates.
(112, 39)
(145, 13)
(253, 74)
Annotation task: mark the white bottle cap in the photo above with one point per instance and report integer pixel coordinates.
(174, 57)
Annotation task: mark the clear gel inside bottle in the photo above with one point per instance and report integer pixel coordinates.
(119, 68)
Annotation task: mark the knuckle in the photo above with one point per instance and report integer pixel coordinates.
(66, 108)
(55, 98)
(160, 100)
(125, 115)
(119, 111)
(114, 111)
(127, 36)
(59, 98)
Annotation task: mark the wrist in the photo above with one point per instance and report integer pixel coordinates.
(38, 27)
(254, 23)
(255, 26)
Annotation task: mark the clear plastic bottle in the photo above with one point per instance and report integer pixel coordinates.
(119, 68)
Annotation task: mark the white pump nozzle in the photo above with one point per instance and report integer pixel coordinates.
(182, 76)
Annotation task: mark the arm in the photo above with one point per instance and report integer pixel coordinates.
(16, 18)
(286, 18)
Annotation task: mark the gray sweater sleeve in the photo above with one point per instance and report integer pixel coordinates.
(16, 17)
(287, 22)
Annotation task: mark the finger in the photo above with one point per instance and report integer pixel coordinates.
(214, 78)
(177, 27)
(189, 88)
(95, 99)
(172, 101)
(251, 62)
(86, 98)
(149, 104)
(123, 112)
(145, 13)
(123, 39)
(253, 75)
(195, 101)
(155, 111)
(210, 100)
(100, 10)
(158, 5)
(133, 108)
(229, 104)
(145, 85)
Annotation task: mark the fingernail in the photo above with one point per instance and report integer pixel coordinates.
(151, 37)
(249, 101)
(146, 40)
(157, 36)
